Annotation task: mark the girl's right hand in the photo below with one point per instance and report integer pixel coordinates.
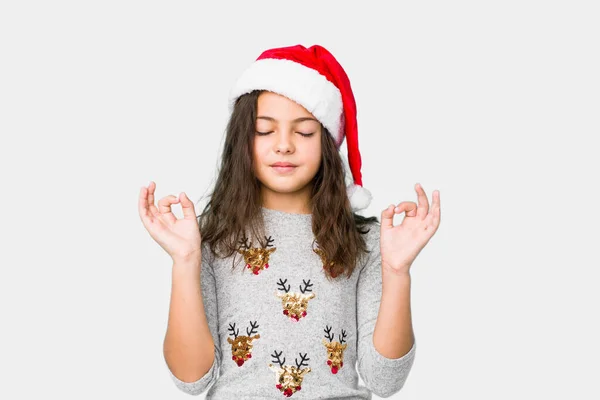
(180, 238)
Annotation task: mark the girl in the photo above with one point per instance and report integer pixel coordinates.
(279, 288)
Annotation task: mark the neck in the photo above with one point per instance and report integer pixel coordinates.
(295, 202)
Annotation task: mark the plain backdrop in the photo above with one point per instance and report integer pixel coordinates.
(494, 104)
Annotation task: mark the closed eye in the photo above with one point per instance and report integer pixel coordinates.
(301, 133)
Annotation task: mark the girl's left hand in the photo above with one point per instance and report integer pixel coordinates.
(401, 244)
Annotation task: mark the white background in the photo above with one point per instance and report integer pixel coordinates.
(495, 104)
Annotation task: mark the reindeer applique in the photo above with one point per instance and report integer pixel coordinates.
(295, 304)
(327, 265)
(335, 350)
(257, 258)
(241, 346)
(289, 377)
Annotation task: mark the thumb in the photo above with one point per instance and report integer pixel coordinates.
(187, 206)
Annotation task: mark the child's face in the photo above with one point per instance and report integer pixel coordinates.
(285, 142)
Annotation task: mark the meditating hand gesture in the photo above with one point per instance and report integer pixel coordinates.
(401, 244)
(180, 238)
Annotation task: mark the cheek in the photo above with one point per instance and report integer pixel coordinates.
(259, 152)
(315, 158)
(312, 154)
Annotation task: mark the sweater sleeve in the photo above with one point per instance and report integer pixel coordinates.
(383, 376)
(209, 298)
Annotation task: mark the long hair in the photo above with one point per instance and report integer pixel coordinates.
(234, 205)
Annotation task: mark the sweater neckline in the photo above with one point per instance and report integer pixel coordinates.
(277, 214)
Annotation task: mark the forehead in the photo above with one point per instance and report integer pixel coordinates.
(281, 108)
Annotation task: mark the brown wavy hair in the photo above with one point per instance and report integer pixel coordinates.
(234, 205)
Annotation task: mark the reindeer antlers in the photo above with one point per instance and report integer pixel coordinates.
(303, 288)
(303, 358)
(307, 286)
(328, 334)
(252, 331)
(342, 337)
(282, 284)
(245, 242)
(277, 359)
(269, 241)
(233, 331)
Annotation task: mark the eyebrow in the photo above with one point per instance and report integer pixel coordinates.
(296, 120)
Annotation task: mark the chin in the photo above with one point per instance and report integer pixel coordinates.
(292, 188)
(284, 185)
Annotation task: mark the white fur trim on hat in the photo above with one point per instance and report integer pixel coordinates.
(304, 85)
(360, 198)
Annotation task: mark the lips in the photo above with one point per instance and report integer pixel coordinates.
(283, 167)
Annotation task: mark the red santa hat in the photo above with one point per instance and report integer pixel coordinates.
(313, 78)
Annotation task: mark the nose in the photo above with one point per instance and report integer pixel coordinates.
(284, 144)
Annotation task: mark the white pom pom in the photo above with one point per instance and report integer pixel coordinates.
(360, 198)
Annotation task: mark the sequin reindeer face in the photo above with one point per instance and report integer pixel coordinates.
(256, 258)
(327, 265)
(241, 346)
(335, 350)
(295, 304)
(289, 377)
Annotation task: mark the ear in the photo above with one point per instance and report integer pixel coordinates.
(229, 340)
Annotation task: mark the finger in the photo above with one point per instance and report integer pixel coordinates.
(143, 204)
(151, 205)
(410, 207)
(423, 208)
(187, 206)
(433, 218)
(164, 207)
(387, 217)
(437, 211)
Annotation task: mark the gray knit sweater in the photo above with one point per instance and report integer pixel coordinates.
(282, 329)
